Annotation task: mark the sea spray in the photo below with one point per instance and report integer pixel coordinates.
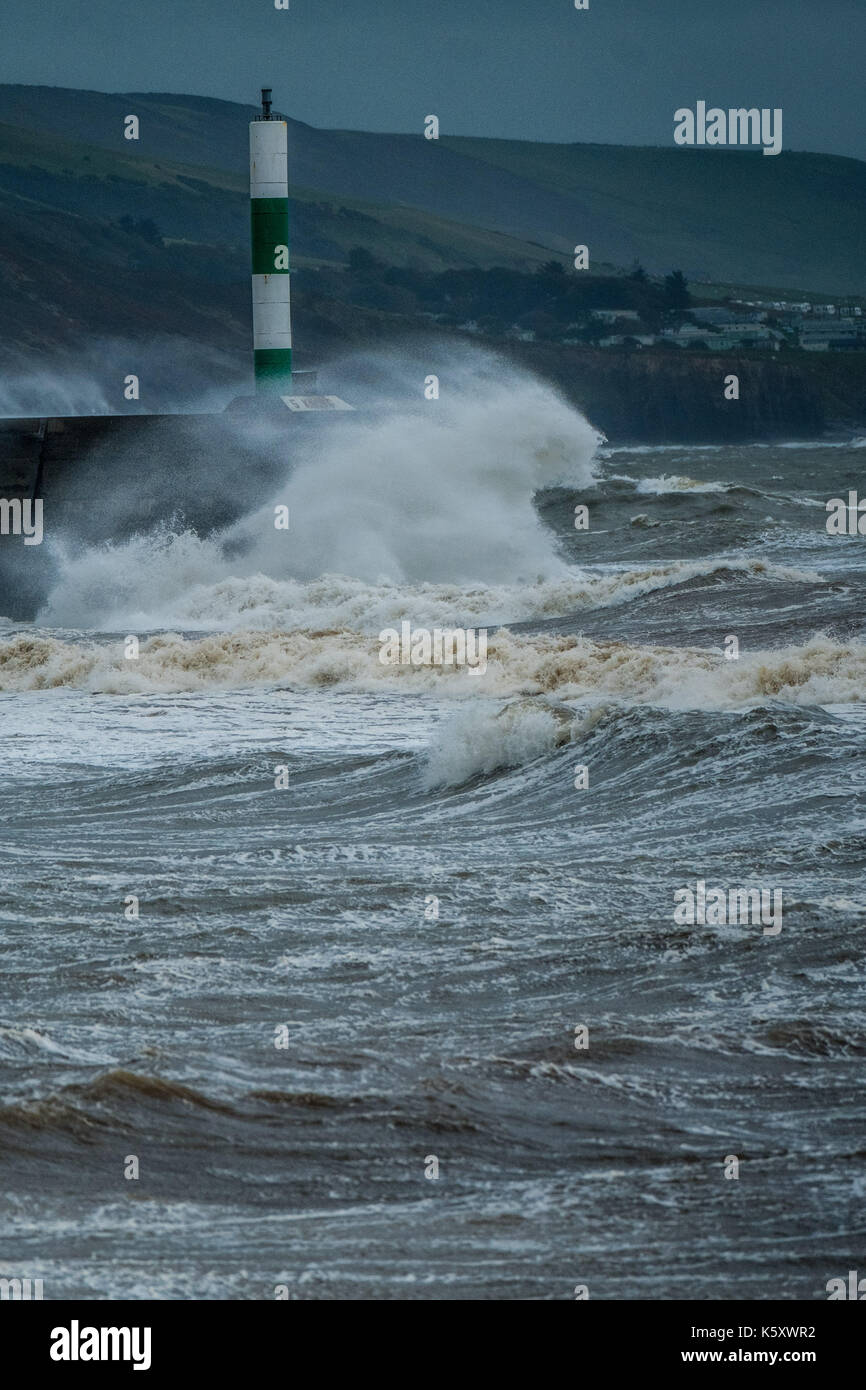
(179, 376)
(484, 738)
(436, 492)
(174, 579)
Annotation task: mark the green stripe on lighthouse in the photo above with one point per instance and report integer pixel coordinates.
(269, 231)
(273, 368)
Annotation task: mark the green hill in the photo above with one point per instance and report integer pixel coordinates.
(797, 221)
(107, 239)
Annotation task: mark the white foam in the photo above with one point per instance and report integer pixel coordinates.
(819, 672)
(169, 580)
(480, 739)
(441, 493)
(663, 485)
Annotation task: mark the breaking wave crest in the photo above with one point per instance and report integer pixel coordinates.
(159, 582)
(820, 671)
(438, 494)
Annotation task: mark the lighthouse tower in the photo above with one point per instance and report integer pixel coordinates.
(269, 225)
(272, 314)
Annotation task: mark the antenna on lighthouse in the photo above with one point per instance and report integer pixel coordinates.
(266, 103)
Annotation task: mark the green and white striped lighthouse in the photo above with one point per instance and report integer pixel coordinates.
(269, 225)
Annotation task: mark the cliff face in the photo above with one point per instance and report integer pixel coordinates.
(649, 395)
(679, 396)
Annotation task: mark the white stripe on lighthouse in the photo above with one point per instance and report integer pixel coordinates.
(269, 150)
(272, 325)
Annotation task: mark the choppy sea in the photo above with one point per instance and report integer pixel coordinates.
(332, 983)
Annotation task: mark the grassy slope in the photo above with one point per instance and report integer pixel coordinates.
(210, 206)
(797, 221)
(794, 220)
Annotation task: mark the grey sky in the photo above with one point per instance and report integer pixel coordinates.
(526, 69)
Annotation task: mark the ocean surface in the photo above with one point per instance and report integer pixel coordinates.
(430, 908)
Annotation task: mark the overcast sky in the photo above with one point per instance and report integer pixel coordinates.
(525, 69)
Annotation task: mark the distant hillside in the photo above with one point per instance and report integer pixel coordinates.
(795, 221)
(115, 253)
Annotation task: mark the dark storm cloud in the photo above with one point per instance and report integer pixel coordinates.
(531, 69)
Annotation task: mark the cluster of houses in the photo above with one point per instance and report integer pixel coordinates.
(767, 326)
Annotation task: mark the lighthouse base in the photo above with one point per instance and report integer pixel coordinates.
(269, 405)
(301, 397)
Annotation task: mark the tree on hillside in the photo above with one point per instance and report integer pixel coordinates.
(677, 297)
